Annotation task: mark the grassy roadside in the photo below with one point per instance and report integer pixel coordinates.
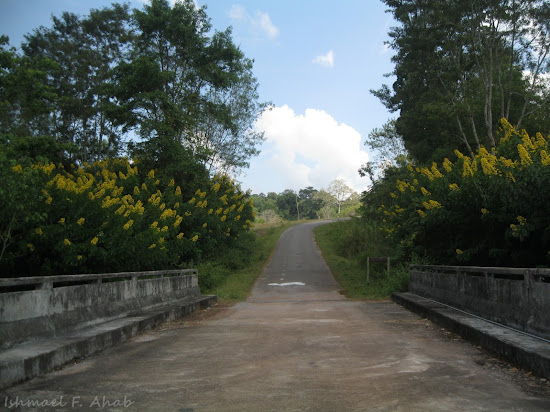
(337, 242)
(236, 283)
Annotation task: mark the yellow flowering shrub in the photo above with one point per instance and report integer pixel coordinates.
(492, 209)
(112, 216)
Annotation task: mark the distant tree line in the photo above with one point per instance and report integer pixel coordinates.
(337, 200)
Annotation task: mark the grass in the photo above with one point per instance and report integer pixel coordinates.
(235, 283)
(345, 246)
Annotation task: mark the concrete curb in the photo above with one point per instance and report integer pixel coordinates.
(34, 358)
(527, 351)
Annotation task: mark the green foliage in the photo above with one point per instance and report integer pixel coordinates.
(18, 193)
(488, 210)
(25, 97)
(345, 246)
(186, 84)
(288, 205)
(94, 81)
(28, 150)
(309, 204)
(77, 55)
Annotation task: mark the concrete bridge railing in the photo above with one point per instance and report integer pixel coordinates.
(35, 307)
(515, 297)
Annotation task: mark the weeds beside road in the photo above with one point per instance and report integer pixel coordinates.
(345, 246)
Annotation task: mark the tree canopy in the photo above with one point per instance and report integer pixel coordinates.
(160, 73)
(461, 66)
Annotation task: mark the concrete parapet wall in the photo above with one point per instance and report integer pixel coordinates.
(515, 297)
(37, 307)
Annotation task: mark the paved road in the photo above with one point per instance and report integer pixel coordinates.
(290, 347)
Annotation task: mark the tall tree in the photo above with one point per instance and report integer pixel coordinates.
(84, 51)
(188, 85)
(340, 192)
(26, 99)
(287, 203)
(310, 205)
(230, 140)
(94, 80)
(462, 65)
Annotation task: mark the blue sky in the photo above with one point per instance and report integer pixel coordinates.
(315, 60)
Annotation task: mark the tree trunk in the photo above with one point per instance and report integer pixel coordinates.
(464, 137)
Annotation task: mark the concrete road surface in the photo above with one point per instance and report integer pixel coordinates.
(295, 345)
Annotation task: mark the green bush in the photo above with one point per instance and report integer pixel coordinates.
(346, 246)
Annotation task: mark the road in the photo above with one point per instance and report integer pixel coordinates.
(295, 345)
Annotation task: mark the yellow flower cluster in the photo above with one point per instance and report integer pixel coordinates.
(155, 198)
(435, 171)
(167, 213)
(431, 204)
(426, 172)
(522, 222)
(402, 186)
(454, 187)
(46, 169)
(467, 170)
(488, 162)
(116, 197)
(524, 155)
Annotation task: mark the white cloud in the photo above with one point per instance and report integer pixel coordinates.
(260, 22)
(237, 12)
(263, 22)
(325, 60)
(311, 149)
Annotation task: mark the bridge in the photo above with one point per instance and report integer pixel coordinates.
(295, 344)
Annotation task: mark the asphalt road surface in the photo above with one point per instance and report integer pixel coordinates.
(295, 345)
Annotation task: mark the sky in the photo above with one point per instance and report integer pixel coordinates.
(315, 62)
